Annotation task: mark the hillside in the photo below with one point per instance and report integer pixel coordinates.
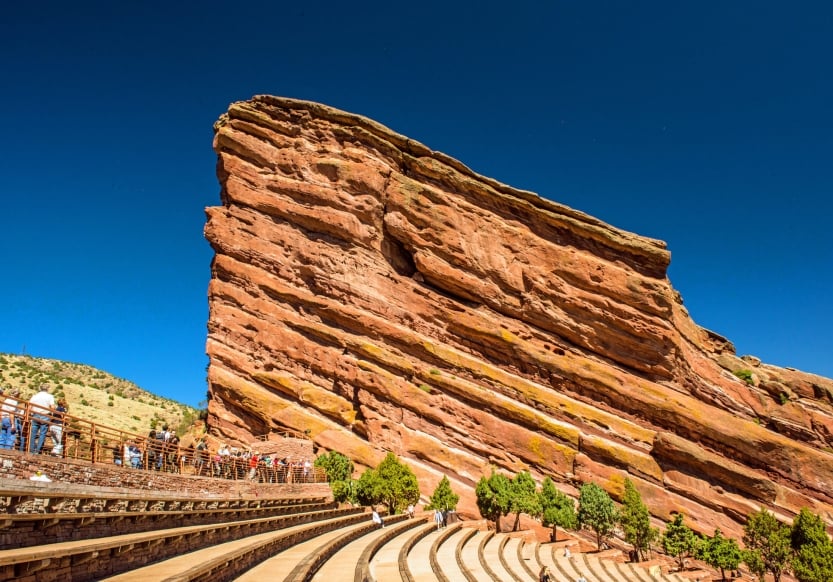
(95, 395)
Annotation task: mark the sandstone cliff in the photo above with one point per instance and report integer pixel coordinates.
(382, 296)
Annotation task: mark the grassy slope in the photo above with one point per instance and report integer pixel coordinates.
(89, 391)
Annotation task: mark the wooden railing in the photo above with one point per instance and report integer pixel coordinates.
(79, 438)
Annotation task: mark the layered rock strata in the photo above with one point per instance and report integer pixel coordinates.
(382, 296)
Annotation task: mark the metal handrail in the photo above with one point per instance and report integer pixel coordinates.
(79, 438)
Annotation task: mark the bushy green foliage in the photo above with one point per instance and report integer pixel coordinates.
(813, 552)
(339, 471)
(720, 552)
(557, 510)
(679, 541)
(771, 540)
(596, 511)
(443, 497)
(368, 488)
(344, 491)
(524, 497)
(745, 375)
(392, 483)
(494, 495)
(337, 466)
(636, 521)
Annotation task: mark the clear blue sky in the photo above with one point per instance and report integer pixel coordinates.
(706, 124)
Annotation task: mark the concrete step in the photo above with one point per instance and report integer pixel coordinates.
(469, 556)
(280, 566)
(239, 554)
(447, 552)
(512, 560)
(391, 559)
(419, 558)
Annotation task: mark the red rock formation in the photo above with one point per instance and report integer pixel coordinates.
(382, 296)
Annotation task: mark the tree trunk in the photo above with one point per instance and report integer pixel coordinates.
(555, 533)
(517, 522)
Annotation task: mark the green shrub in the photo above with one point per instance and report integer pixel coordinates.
(745, 375)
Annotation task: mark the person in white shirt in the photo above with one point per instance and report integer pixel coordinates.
(40, 407)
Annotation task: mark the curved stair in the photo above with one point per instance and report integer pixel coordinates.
(469, 555)
(222, 561)
(391, 561)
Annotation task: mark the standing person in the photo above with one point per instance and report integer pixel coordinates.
(7, 430)
(438, 519)
(56, 427)
(13, 402)
(41, 406)
(200, 455)
(253, 461)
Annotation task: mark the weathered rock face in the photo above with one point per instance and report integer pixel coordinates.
(384, 297)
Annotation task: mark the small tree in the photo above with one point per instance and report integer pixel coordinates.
(753, 561)
(369, 488)
(337, 466)
(679, 541)
(597, 511)
(807, 528)
(524, 498)
(813, 552)
(720, 552)
(814, 562)
(344, 491)
(493, 497)
(443, 497)
(636, 522)
(398, 484)
(557, 510)
(771, 539)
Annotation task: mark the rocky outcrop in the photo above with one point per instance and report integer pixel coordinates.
(383, 297)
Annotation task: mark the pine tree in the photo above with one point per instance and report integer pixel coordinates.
(813, 551)
(369, 488)
(636, 521)
(398, 484)
(679, 541)
(720, 552)
(443, 497)
(493, 497)
(597, 511)
(557, 509)
(524, 497)
(770, 539)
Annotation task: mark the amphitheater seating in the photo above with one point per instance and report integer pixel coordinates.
(59, 531)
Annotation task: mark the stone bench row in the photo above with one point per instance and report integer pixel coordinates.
(33, 529)
(466, 553)
(95, 559)
(20, 496)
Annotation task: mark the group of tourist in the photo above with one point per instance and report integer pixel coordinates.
(42, 415)
(237, 463)
(159, 451)
(25, 426)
